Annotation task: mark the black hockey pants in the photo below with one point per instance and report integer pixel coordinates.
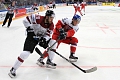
(8, 16)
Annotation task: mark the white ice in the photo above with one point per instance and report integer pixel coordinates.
(99, 45)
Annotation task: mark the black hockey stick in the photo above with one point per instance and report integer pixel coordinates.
(85, 71)
(39, 52)
(51, 46)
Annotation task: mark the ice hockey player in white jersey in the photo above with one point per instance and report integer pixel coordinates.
(39, 29)
(63, 33)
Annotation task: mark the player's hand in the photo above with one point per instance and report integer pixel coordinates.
(43, 42)
(63, 34)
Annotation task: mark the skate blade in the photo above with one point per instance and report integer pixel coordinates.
(73, 60)
(49, 66)
(11, 75)
(40, 64)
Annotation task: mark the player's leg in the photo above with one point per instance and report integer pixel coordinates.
(73, 44)
(49, 63)
(10, 20)
(40, 60)
(18, 63)
(5, 20)
(84, 10)
(50, 55)
(27, 50)
(75, 11)
(80, 12)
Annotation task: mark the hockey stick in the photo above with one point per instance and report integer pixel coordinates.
(85, 71)
(40, 53)
(52, 45)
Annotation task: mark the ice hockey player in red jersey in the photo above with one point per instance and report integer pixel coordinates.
(39, 28)
(77, 8)
(64, 31)
(34, 6)
(83, 4)
(50, 5)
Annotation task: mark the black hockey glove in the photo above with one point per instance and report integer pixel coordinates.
(29, 29)
(43, 43)
(30, 32)
(62, 34)
(61, 30)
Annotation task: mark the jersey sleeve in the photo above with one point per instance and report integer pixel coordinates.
(70, 33)
(30, 20)
(72, 29)
(27, 22)
(59, 24)
(62, 22)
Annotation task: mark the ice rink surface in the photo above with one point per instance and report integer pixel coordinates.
(99, 45)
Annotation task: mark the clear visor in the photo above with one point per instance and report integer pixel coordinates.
(78, 20)
(53, 15)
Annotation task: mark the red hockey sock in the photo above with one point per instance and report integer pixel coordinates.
(72, 49)
(45, 54)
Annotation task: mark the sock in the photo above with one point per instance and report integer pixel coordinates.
(45, 54)
(17, 64)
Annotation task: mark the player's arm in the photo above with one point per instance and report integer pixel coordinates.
(62, 22)
(59, 24)
(70, 33)
(64, 34)
(27, 22)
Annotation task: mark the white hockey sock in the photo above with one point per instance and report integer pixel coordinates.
(17, 64)
(21, 59)
(51, 55)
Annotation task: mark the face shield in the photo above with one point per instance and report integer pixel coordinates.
(78, 20)
(52, 15)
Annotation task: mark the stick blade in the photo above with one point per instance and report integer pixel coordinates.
(91, 70)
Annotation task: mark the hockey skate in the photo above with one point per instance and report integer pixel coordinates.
(50, 64)
(40, 62)
(8, 26)
(12, 73)
(2, 25)
(72, 58)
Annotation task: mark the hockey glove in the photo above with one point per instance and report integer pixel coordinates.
(62, 34)
(61, 30)
(29, 29)
(30, 32)
(43, 43)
